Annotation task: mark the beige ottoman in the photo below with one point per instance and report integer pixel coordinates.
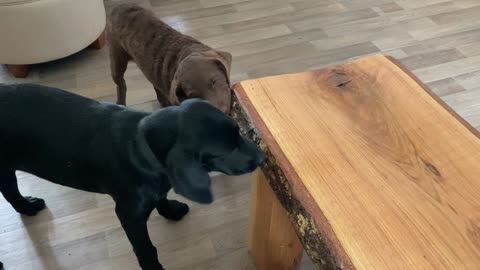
(36, 31)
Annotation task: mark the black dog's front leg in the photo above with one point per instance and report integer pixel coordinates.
(134, 222)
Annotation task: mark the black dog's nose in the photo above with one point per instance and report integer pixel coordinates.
(260, 158)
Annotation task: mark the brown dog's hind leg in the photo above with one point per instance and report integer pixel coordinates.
(29, 206)
(118, 65)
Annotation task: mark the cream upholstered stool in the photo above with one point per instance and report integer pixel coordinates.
(36, 31)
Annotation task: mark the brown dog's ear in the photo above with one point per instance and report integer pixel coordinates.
(177, 95)
(226, 61)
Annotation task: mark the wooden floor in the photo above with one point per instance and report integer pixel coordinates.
(438, 39)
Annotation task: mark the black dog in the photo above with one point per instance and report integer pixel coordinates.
(133, 156)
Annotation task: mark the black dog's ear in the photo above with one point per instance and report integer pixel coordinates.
(187, 176)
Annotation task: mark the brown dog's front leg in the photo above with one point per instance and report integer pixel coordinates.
(121, 93)
(162, 98)
(134, 222)
(118, 65)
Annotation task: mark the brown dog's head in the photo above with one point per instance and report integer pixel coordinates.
(204, 75)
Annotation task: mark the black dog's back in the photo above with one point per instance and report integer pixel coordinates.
(32, 108)
(41, 127)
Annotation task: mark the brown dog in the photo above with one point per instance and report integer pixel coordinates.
(178, 66)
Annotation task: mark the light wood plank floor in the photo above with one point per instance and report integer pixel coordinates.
(438, 39)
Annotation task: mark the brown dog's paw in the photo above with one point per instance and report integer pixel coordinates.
(31, 206)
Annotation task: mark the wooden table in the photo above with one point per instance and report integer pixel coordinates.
(370, 170)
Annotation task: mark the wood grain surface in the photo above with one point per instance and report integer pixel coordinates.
(388, 173)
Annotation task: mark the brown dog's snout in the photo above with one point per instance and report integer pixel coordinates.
(225, 108)
(223, 101)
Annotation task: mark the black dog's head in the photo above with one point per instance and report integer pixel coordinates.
(203, 139)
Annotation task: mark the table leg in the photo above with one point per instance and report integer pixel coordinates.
(272, 241)
(18, 71)
(99, 42)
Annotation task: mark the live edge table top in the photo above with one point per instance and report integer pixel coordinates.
(385, 170)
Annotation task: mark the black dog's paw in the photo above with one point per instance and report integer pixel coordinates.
(31, 206)
(175, 210)
(1, 266)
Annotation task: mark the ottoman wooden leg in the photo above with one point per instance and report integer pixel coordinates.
(99, 42)
(18, 71)
(272, 240)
